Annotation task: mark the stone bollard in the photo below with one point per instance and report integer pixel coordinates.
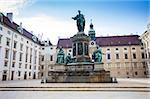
(115, 80)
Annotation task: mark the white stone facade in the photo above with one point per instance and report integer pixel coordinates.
(19, 55)
(145, 37)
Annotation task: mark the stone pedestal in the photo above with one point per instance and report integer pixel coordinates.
(82, 69)
(80, 47)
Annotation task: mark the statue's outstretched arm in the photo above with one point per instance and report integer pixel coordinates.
(74, 17)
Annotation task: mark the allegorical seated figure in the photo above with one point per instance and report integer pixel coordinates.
(97, 55)
(60, 56)
(68, 59)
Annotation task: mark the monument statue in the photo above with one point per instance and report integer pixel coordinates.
(60, 56)
(97, 55)
(68, 59)
(80, 21)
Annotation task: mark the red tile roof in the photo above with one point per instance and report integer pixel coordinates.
(106, 41)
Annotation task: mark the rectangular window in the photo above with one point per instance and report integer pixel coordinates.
(13, 64)
(27, 49)
(30, 51)
(30, 58)
(26, 66)
(1, 28)
(51, 57)
(108, 56)
(42, 59)
(35, 56)
(5, 63)
(26, 57)
(14, 55)
(134, 56)
(127, 73)
(20, 58)
(117, 56)
(20, 65)
(15, 44)
(0, 39)
(42, 66)
(144, 64)
(126, 56)
(143, 55)
(7, 41)
(21, 47)
(29, 73)
(136, 73)
(19, 73)
(6, 53)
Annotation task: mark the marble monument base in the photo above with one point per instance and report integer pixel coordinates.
(80, 73)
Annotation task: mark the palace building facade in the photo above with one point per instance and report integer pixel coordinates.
(145, 37)
(19, 51)
(25, 56)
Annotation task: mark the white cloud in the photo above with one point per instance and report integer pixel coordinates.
(51, 27)
(14, 5)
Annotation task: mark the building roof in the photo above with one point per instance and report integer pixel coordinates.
(106, 41)
(4, 20)
(64, 42)
(118, 40)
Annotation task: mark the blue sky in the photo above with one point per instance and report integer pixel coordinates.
(110, 17)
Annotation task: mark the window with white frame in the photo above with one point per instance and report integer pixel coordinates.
(8, 41)
(1, 29)
(20, 56)
(5, 63)
(6, 53)
(126, 56)
(117, 56)
(21, 47)
(0, 39)
(14, 55)
(15, 44)
(108, 56)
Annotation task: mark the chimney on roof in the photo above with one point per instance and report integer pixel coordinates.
(10, 16)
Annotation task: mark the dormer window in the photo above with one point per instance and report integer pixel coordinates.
(20, 29)
(34, 38)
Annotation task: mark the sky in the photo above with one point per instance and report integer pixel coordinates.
(51, 19)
